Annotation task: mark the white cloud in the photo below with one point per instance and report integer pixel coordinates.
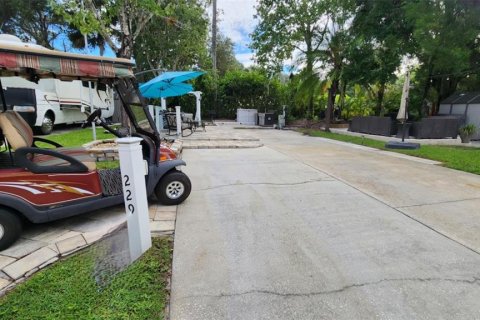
(236, 22)
(245, 58)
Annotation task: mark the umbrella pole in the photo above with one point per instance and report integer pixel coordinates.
(404, 120)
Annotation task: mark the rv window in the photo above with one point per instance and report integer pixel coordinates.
(85, 84)
(20, 97)
(101, 86)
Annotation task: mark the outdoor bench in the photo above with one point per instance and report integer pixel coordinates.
(171, 121)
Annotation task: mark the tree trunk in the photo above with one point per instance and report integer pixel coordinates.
(426, 88)
(214, 54)
(309, 68)
(343, 90)
(332, 93)
(380, 95)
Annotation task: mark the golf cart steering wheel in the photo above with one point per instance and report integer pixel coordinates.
(92, 117)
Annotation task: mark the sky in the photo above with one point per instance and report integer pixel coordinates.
(236, 22)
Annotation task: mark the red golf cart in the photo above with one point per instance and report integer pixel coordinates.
(45, 184)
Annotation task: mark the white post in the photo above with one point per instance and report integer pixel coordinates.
(92, 109)
(179, 120)
(198, 112)
(163, 107)
(158, 118)
(135, 195)
(150, 110)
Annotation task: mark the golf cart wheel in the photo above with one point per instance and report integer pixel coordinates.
(10, 228)
(173, 188)
(47, 125)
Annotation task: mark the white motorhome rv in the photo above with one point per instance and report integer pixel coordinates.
(51, 101)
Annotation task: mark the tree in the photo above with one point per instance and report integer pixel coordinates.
(380, 38)
(335, 44)
(164, 45)
(446, 34)
(287, 27)
(31, 21)
(118, 22)
(225, 56)
(250, 89)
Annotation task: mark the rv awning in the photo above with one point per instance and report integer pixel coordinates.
(32, 61)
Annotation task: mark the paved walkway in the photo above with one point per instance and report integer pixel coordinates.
(308, 228)
(215, 137)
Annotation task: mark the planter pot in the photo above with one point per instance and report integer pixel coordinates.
(465, 138)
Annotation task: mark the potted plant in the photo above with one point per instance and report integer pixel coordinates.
(466, 132)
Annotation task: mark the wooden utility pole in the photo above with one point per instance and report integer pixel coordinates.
(214, 53)
(214, 36)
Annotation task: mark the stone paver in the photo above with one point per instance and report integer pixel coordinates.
(50, 236)
(70, 244)
(22, 248)
(93, 236)
(5, 261)
(4, 283)
(19, 268)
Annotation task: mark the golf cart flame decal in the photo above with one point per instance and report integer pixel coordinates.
(42, 188)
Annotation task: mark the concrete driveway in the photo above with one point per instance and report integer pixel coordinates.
(305, 228)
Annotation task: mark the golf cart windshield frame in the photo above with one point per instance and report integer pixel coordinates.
(130, 97)
(34, 62)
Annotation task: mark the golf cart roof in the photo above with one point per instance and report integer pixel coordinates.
(34, 62)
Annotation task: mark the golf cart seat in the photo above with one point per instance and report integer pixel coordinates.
(27, 155)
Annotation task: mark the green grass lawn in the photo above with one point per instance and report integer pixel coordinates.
(77, 137)
(67, 290)
(460, 158)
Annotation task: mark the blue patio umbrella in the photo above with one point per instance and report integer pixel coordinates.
(169, 84)
(165, 90)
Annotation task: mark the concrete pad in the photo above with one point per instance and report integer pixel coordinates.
(165, 215)
(19, 268)
(5, 261)
(162, 208)
(394, 180)
(276, 238)
(70, 244)
(22, 248)
(162, 226)
(459, 220)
